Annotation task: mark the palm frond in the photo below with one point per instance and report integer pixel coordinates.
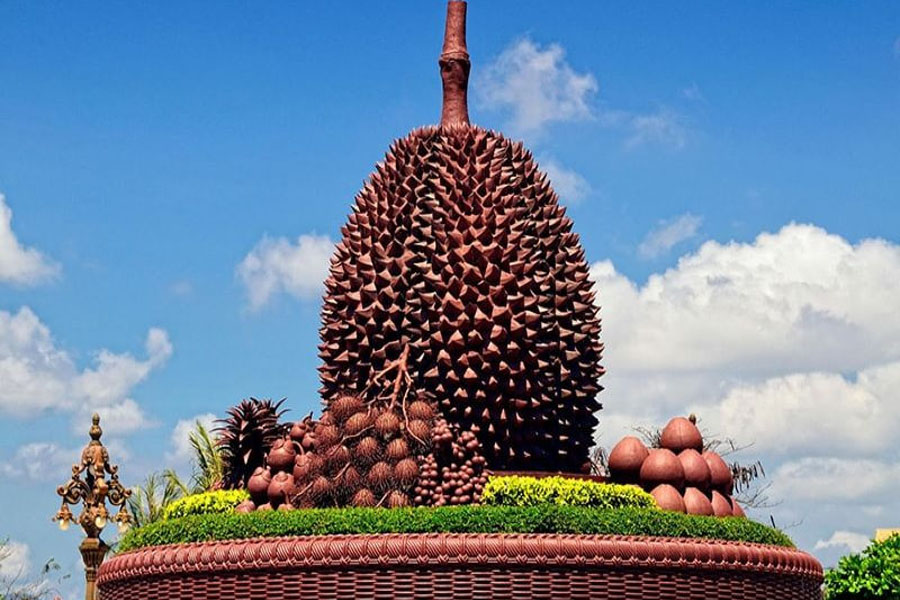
(208, 464)
(148, 500)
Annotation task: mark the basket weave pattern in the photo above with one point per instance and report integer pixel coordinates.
(463, 566)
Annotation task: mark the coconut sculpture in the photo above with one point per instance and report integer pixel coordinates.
(459, 329)
(679, 473)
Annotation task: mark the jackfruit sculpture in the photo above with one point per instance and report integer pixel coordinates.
(459, 329)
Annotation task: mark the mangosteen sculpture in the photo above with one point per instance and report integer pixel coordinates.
(459, 258)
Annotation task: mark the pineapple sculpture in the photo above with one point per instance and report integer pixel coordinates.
(244, 437)
(458, 252)
(459, 331)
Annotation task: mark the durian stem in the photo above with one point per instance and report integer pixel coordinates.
(455, 66)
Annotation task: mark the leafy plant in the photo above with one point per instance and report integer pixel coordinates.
(245, 435)
(533, 491)
(149, 500)
(546, 518)
(871, 574)
(208, 465)
(206, 503)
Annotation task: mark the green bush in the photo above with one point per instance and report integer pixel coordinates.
(873, 573)
(206, 503)
(546, 518)
(533, 491)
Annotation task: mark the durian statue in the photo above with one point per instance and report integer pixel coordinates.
(459, 263)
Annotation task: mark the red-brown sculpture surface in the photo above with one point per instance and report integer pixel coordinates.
(697, 503)
(681, 434)
(703, 482)
(696, 470)
(668, 498)
(459, 332)
(459, 252)
(463, 567)
(720, 474)
(662, 466)
(455, 66)
(626, 458)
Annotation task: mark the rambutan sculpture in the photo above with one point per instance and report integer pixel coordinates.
(459, 255)
(383, 448)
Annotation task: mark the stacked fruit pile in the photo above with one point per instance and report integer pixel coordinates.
(680, 475)
(377, 452)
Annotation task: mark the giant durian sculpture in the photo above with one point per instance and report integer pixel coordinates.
(459, 258)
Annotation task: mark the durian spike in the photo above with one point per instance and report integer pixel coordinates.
(455, 66)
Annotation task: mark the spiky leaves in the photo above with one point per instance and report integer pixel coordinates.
(457, 247)
(245, 436)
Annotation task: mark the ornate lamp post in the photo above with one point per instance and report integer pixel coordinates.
(93, 482)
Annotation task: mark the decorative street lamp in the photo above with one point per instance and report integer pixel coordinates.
(100, 483)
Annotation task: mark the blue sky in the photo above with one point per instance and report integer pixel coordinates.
(146, 153)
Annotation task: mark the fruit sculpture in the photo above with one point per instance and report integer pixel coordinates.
(459, 331)
(679, 474)
(458, 253)
(245, 437)
(388, 450)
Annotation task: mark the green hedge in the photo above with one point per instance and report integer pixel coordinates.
(533, 491)
(546, 518)
(872, 574)
(206, 503)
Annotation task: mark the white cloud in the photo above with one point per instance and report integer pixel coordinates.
(40, 461)
(15, 560)
(180, 438)
(39, 377)
(668, 234)
(276, 265)
(663, 127)
(117, 417)
(536, 85)
(860, 416)
(789, 342)
(34, 371)
(854, 542)
(826, 479)
(569, 185)
(797, 300)
(116, 374)
(18, 264)
(46, 461)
